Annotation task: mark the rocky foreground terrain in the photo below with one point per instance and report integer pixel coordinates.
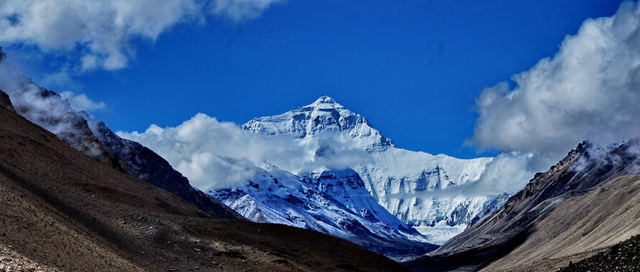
(12, 261)
(622, 257)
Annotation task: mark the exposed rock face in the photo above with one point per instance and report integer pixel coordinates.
(579, 205)
(5, 102)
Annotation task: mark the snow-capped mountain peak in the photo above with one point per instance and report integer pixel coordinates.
(421, 189)
(326, 101)
(324, 116)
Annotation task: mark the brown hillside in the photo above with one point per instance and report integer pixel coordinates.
(64, 210)
(585, 203)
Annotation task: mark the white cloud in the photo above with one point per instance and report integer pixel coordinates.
(59, 79)
(505, 173)
(215, 154)
(241, 10)
(98, 33)
(81, 102)
(590, 90)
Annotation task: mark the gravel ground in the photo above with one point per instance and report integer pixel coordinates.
(12, 261)
(623, 257)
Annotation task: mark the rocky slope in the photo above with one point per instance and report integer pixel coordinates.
(622, 257)
(418, 188)
(91, 137)
(69, 212)
(12, 261)
(581, 205)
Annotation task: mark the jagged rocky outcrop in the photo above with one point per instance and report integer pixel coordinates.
(416, 187)
(5, 102)
(583, 203)
(92, 138)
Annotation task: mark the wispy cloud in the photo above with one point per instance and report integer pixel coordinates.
(81, 102)
(240, 10)
(98, 34)
(588, 91)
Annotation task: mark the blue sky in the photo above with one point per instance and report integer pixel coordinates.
(413, 68)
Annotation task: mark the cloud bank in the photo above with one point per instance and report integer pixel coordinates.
(218, 154)
(590, 90)
(99, 33)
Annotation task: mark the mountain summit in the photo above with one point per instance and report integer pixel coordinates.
(325, 115)
(421, 189)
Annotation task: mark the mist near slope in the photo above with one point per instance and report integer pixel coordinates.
(215, 154)
(95, 34)
(48, 109)
(588, 91)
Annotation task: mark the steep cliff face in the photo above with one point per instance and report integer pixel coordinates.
(5, 101)
(581, 204)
